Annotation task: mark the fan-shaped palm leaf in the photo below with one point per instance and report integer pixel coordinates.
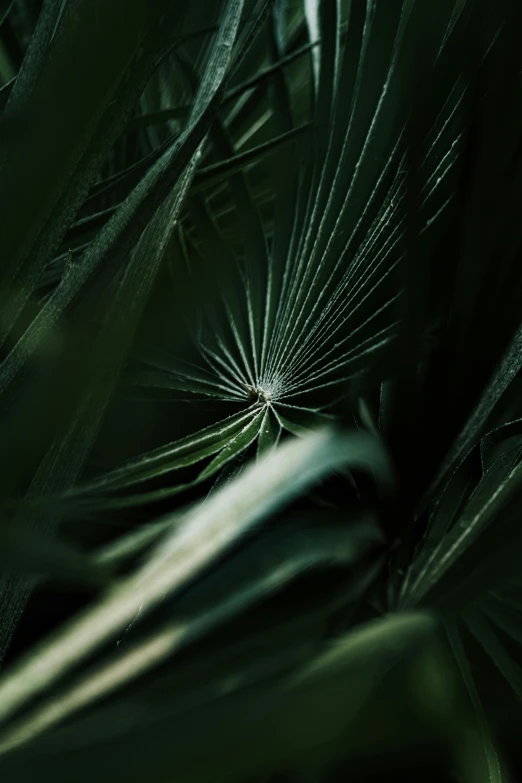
(314, 306)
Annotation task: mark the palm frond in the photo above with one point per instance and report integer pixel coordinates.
(259, 386)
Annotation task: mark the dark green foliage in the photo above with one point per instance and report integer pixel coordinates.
(260, 316)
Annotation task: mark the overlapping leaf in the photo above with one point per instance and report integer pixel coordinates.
(314, 304)
(66, 456)
(332, 217)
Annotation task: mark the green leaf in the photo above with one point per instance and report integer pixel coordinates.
(75, 82)
(173, 456)
(487, 766)
(269, 433)
(65, 458)
(122, 231)
(280, 557)
(490, 499)
(236, 445)
(204, 534)
(338, 682)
